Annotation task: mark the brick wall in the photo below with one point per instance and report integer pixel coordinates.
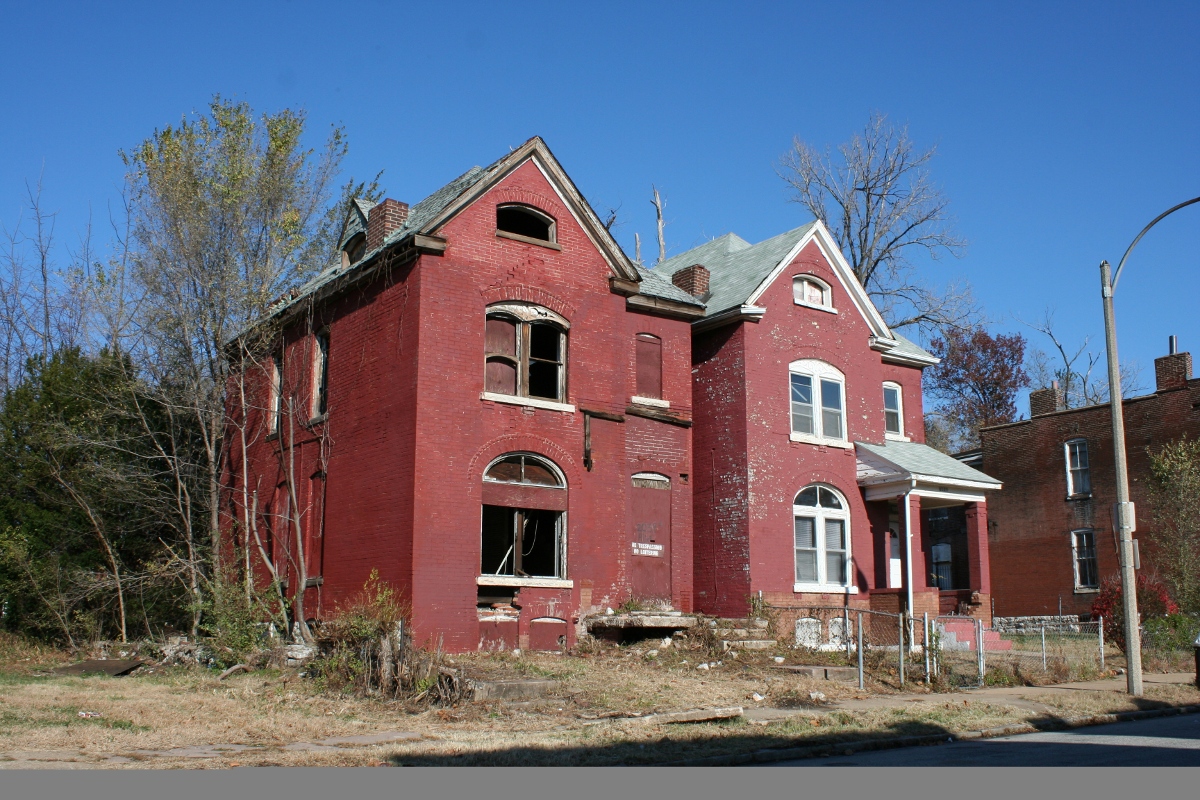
(1031, 518)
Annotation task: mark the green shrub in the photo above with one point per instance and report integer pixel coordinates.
(1172, 633)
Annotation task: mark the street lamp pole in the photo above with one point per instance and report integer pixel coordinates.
(1125, 514)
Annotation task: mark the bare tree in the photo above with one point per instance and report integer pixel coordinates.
(1080, 372)
(880, 204)
(658, 204)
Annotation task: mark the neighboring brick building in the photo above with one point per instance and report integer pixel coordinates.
(1051, 529)
(804, 500)
(492, 406)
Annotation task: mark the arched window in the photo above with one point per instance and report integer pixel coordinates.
(808, 290)
(354, 249)
(524, 520)
(525, 352)
(818, 392)
(525, 223)
(822, 530)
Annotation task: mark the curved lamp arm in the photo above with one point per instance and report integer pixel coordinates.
(1155, 221)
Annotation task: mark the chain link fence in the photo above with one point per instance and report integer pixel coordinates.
(880, 643)
(964, 652)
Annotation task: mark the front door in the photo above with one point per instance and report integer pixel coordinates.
(650, 537)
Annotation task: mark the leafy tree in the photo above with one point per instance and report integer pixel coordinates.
(880, 204)
(976, 384)
(1175, 505)
(1153, 602)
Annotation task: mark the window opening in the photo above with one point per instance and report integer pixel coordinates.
(275, 393)
(1083, 545)
(525, 357)
(810, 291)
(521, 542)
(354, 250)
(941, 556)
(1079, 480)
(321, 374)
(893, 419)
(817, 385)
(525, 221)
(649, 366)
(822, 542)
(521, 468)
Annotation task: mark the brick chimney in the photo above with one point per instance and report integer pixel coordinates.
(383, 220)
(693, 280)
(1046, 401)
(1173, 370)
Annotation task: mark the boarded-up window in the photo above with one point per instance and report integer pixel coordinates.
(649, 366)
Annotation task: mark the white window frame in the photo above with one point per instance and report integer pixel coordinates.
(274, 394)
(819, 515)
(320, 376)
(1080, 588)
(1072, 490)
(800, 296)
(817, 371)
(897, 435)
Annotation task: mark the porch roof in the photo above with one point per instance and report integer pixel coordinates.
(919, 467)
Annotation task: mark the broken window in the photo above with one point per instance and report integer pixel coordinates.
(649, 366)
(320, 373)
(274, 392)
(354, 250)
(1079, 479)
(1083, 547)
(525, 351)
(525, 222)
(519, 539)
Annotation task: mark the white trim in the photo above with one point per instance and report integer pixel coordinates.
(826, 309)
(1071, 493)
(899, 411)
(894, 437)
(898, 486)
(826, 293)
(531, 402)
(821, 588)
(649, 401)
(508, 580)
(742, 312)
(819, 516)
(527, 312)
(1079, 587)
(818, 440)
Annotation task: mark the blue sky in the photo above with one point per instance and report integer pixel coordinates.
(1062, 128)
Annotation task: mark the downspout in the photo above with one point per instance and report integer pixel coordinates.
(908, 576)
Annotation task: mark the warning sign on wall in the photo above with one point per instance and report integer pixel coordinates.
(647, 549)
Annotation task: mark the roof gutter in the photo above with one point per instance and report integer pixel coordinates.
(729, 316)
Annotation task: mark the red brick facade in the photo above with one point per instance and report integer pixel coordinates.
(1032, 519)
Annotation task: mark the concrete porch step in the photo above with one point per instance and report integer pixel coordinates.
(739, 623)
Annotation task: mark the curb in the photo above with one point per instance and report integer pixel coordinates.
(850, 748)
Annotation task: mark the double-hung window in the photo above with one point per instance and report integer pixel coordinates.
(1083, 554)
(893, 410)
(1079, 480)
(822, 540)
(818, 402)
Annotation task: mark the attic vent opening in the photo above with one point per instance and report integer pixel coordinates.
(354, 249)
(525, 222)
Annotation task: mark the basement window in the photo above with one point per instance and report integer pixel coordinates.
(525, 223)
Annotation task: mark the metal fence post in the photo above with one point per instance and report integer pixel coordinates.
(925, 644)
(1043, 648)
(1102, 644)
(846, 629)
(900, 648)
(979, 648)
(860, 651)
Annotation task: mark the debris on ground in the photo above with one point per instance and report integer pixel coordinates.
(108, 666)
(89, 715)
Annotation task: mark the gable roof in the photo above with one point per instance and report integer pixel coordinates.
(429, 215)
(741, 272)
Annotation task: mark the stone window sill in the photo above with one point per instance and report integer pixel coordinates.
(530, 402)
(818, 440)
(516, 237)
(649, 401)
(815, 307)
(1086, 590)
(509, 580)
(820, 588)
(897, 437)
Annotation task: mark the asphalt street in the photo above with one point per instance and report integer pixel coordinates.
(1164, 742)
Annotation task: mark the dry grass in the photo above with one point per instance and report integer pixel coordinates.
(585, 722)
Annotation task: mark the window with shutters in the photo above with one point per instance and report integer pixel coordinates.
(648, 381)
(822, 540)
(525, 355)
(818, 403)
(1079, 477)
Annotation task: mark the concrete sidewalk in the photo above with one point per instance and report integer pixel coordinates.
(1018, 696)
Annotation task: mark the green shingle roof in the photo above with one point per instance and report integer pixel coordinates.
(736, 266)
(920, 459)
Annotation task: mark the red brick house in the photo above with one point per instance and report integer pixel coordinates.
(812, 483)
(488, 403)
(1051, 532)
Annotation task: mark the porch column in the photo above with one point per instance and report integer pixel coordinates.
(920, 572)
(977, 549)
